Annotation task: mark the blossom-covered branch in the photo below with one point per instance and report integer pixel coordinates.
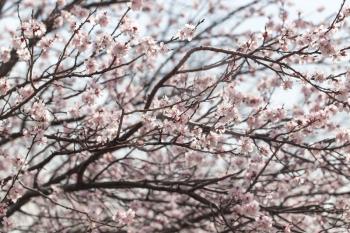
(173, 116)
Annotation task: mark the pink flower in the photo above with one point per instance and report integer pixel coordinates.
(90, 65)
(187, 32)
(18, 42)
(3, 207)
(74, 111)
(129, 27)
(119, 50)
(212, 139)
(346, 12)
(264, 223)
(88, 97)
(287, 228)
(326, 47)
(163, 48)
(23, 54)
(4, 86)
(136, 5)
(79, 11)
(58, 22)
(104, 41)
(246, 145)
(148, 46)
(288, 84)
(251, 209)
(25, 91)
(45, 43)
(240, 162)
(253, 101)
(91, 94)
(126, 217)
(7, 223)
(33, 28)
(61, 2)
(66, 17)
(102, 20)
(81, 41)
(5, 55)
(343, 136)
(39, 112)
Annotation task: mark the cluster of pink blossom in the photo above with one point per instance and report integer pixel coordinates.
(172, 116)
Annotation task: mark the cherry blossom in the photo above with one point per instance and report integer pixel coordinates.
(23, 54)
(187, 32)
(4, 86)
(81, 41)
(90, 66)
(38, 111)
(129, 26)
(119, 49)
(33, 28)
(126, 217)
(61, 2)
(5, 55)
(136, 5)
(102, 19)
(174, 116)
(148, 46)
